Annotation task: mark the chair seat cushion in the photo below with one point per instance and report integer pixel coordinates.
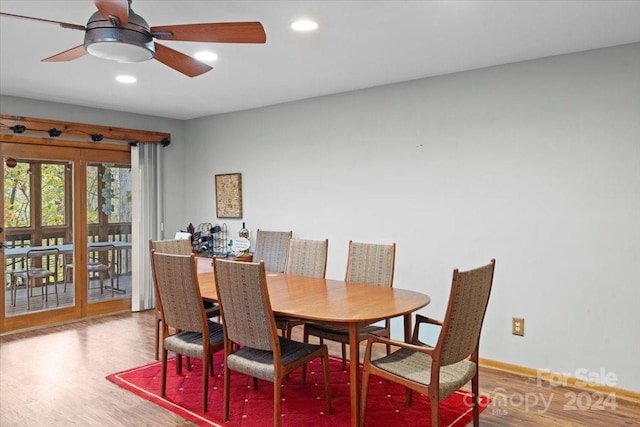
(35, 273)
(259, 363)
(190, 343)
(339, 334)
(97, 266)
(416, 367)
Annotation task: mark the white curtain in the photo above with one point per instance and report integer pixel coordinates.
(147, 220)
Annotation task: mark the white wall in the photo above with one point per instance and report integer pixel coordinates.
(536, 164)
(174, 154)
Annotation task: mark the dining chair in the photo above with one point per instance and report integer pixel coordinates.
(101, 260)
(306, 258)
(194, 335)
(42, 265)
(252, 345)
(272, 248)
(367, 263)
(175, 247)
(438, 371)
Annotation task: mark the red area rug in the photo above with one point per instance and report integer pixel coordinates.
(302, 405)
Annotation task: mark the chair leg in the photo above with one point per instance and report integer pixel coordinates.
(408, 397)
(304, 374)
(434, 397)
(205, 381)
(178, 364)
(277, 396)
(225, 413)
(475, 390)
(158, 320)
(163, 383)
(344, 357)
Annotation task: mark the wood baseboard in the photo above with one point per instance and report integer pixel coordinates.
(628, 395)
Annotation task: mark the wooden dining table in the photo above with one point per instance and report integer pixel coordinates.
(335, 302)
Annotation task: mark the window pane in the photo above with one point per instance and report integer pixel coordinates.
(17, 195)
(117, 192)
(92, 194)
(53, 194)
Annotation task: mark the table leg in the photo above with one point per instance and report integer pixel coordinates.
(354, 373)
(407, 338)
(407, 327)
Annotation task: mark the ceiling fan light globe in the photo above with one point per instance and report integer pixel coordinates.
(120, 52)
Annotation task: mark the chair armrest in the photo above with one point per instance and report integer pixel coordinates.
(372, 339)
(420, 319)
(424, 319)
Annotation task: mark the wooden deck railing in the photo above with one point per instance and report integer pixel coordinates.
(22, 237)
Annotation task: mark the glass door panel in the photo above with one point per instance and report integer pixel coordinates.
(38, 235)
(109, 232)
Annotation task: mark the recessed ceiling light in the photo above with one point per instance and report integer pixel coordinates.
(304, 25)
(125, 79)
(205, 56)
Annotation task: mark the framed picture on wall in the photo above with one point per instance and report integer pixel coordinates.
(229, 195)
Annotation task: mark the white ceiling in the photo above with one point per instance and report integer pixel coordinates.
(358, 44)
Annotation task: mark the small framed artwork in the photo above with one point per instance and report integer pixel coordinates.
(229, 195)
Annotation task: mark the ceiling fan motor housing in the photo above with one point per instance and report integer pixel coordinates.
(132, 43)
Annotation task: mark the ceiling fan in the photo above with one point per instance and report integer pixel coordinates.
(117, 33)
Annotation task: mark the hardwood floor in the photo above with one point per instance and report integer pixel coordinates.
(56, 377)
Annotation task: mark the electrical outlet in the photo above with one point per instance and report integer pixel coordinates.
(517, 326)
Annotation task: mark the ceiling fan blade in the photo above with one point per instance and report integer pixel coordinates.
(110, 9)
(67, 55)
(62, 24)
(180, 62)
(222, 32)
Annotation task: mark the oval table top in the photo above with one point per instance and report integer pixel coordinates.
(327, 300)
